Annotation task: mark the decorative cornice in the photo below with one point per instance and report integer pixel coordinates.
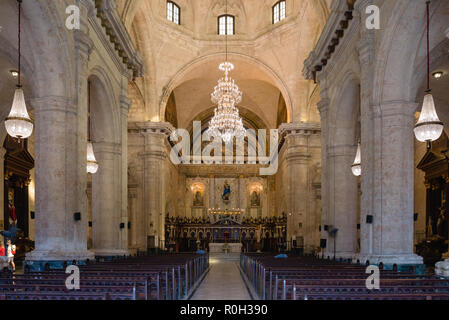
(305, 129)
(118, 36)
(149, 127)
(299, 129)
(334, 31)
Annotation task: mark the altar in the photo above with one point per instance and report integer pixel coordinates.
(225, 247)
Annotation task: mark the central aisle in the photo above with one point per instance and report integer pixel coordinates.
(223, 282)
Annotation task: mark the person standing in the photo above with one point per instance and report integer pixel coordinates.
(11, 251)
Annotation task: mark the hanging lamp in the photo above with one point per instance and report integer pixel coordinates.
(226, 122)
(429, 127)
(357, 165)
(18, 124)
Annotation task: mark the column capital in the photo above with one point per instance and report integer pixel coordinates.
(305, 129)
(125, 103)
(323, 106)
(151, 128)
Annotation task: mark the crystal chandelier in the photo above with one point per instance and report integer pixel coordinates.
(429, 127)
(226, 122)
(18, 123)
(357, 166)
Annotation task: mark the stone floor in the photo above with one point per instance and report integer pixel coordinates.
(223, 282)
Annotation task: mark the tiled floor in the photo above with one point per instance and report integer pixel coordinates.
(223, 282)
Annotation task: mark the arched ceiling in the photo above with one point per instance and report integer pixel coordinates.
(272, 56)
(192, 95)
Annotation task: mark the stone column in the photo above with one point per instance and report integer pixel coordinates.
(366, 57)
(242, 193)
(387, 168)
(59, 181)
(296, 138)
(107, 201)
(132, 217)
(125, 103)
(60, 157)
(342, 201)
(323, 107)
(393, 185)
(212, 191)
(154, 156)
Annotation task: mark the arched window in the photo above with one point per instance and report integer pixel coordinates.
(226, 25)
(173, 12)
(279, 11)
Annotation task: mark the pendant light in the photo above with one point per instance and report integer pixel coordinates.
(357, 166)
(92, 164)
(226, 122)
(18, 123)
(429, 127)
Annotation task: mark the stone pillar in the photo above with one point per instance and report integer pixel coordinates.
(154, 156)
(323, 107)
(132, 217)
(212, 191)
(242, 193)
(393, 185)
(107, 201)
(387, 168)
(125, 103)
(342, 202)
(296, 138)
(59, 181)
(60, 157)
(366, 58)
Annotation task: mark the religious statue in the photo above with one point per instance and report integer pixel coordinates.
(11, 210)
(198, 200)
(226, 192)
(255, 199)
(442, 224)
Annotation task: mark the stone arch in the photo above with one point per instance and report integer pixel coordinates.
(179, 78)
(393, 75)
(346, 110)
(104, 108)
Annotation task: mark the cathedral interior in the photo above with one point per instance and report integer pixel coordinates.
(215, 135)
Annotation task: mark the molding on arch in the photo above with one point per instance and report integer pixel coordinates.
(178, 77)
(112, 105)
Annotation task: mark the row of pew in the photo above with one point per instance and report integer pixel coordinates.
(309, 278)
(161, 277)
